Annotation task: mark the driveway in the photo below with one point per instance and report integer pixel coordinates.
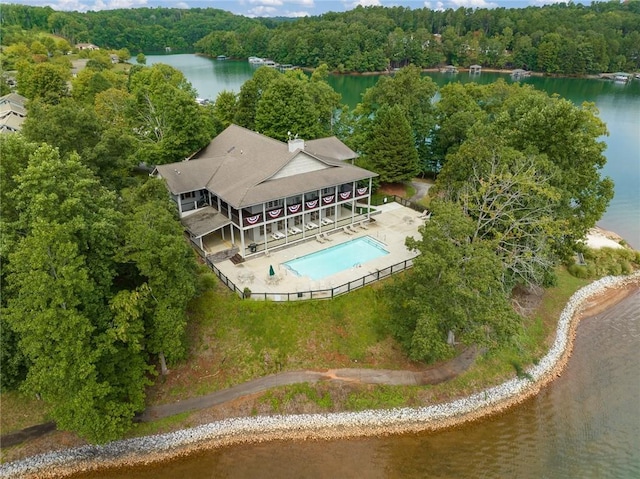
(421, 187)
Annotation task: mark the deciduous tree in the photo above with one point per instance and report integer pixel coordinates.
(455, 285)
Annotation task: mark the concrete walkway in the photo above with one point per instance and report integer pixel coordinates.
(434, 375)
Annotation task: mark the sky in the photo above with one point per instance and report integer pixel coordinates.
(285, 8)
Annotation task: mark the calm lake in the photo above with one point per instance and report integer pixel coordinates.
(619, 106)
(585, 424)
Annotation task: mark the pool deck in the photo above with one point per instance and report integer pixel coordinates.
(391, 227)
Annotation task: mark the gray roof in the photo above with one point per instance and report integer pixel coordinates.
(241, 167)
(204, 221)
(9, 108)
(330, 148)
(13, 98)
(11, 123)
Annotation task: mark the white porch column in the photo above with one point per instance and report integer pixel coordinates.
(369, 199)
(241, 226)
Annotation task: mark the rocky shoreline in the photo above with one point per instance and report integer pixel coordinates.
(145, 450)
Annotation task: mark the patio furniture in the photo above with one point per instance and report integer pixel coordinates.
(311, 226)
(278, 235)
(294, 230)
(326, 221)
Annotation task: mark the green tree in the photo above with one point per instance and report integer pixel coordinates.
(43, 81)
(455, 286)
(251, 92)
(288, 106)
(570, 137)
(562, 139)
(169, 124)
(508, 195)
(413, 93)
(59, 280)
(154, 242)
(225, 106)
(15, 152)
(67, 125)
(390, 150)
(141, 58)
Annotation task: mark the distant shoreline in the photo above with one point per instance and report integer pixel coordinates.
(429, 70)
(588, 301)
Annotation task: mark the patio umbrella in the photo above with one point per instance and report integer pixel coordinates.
(271, 271)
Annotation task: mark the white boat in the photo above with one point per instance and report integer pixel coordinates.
(256, 60)
(621, 77)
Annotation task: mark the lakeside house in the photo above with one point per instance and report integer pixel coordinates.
(87, 46)
(475, 69)
(246, 193)
(12, 112)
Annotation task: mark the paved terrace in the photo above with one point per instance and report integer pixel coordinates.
(391, 227)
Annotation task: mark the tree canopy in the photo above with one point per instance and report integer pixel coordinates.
(560, 140)
(91, 297)
(455, 285)
(568, 38)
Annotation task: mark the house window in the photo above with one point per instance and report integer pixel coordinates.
(188, 195)
(328, 191)
(273, 204)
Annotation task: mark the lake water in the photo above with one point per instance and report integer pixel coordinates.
(619, 106)
(584, 424)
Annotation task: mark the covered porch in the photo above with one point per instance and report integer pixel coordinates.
(210, 230)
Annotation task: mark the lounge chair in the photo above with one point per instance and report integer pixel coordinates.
(319, 239)
(326, 237)
(347, 230)
(294, 230)
(277, 235)
(326, 221)
(364, 226)
(311, 226)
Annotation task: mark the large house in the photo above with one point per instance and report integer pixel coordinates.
(12, 112)
(246, 193)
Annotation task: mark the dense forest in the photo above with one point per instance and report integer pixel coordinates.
(570, 39)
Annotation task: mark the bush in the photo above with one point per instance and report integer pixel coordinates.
(606, 261)
(247, 292)
(578, 271)
(206, 279)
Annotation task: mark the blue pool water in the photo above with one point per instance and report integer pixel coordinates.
(338, 258)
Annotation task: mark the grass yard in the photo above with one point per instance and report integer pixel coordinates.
(233, 341)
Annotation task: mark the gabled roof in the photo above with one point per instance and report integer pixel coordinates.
(330, 148)
(11, 123)
(245, 168)
(13, 98)
(12, 108)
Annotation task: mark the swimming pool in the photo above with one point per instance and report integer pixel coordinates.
(338, 258)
